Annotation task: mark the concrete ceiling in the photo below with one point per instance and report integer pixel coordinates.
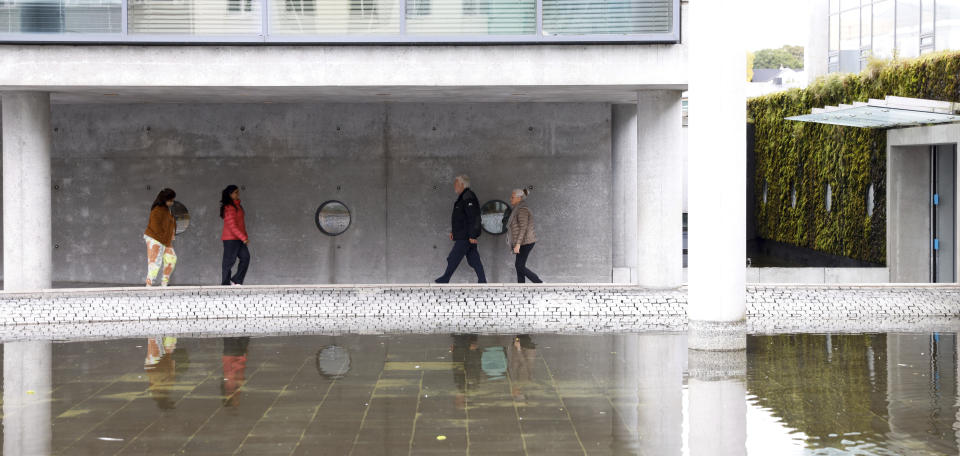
(369, 94)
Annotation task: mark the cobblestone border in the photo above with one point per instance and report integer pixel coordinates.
(467, 308)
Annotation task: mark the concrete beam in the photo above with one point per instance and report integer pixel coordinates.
(245, 67)
(27, 227)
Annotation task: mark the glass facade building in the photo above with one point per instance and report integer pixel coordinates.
(372, 21)
(861, 29)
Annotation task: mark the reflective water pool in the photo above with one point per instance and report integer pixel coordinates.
(480, 395)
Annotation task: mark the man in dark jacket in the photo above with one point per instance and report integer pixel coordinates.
(465, 229)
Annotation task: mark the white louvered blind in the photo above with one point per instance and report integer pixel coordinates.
(471, 17)
(60, 16)
(604, 17)
(334, 17)
(194, 17)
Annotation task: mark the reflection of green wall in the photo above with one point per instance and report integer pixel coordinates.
(792, 376)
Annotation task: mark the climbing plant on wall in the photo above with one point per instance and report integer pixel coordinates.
(797, 161)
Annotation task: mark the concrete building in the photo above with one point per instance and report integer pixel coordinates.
(300, 103)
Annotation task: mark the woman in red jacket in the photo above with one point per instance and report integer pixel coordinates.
(234, 236)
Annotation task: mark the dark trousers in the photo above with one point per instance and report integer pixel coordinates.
(521, 264)
(232, 250)
(459, 250)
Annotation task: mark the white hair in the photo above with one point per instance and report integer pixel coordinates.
(521, 193)
(464, 179)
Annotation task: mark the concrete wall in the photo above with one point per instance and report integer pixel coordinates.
(392, 164)
(910, 244)
(815, 275)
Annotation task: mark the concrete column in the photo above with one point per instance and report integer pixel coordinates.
(717, 405)
(660, 188)
(27, 232)
(818, 40)
(26, 398)
(717, 177)
(625, 220)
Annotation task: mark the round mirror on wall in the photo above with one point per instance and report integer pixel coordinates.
(181, 215)
(494, 216)
(333, 218)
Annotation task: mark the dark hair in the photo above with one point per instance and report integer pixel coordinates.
(225, 198)
(162, 198)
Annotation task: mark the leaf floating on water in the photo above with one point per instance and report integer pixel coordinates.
(31, 392)
(441, 437)
(110, 439)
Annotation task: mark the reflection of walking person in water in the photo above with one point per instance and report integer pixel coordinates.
(161, 369)
(464, 231)
(521, 356)
(234, 369)
(465, 351)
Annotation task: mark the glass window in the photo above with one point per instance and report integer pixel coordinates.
(473, 17)
(948, 25)
(834, 6)
(866, 27)
(194, 17)
(834, 33)
(908, 28)
(883, 29)
(846, 5)
(63, 16)
(926, 16)
(353, 17)
(585, 17)
(850, 41)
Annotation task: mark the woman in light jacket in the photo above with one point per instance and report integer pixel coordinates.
(159, 235)
(521, 236)
(234, 237)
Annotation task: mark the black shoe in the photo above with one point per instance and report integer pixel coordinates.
(440, 280)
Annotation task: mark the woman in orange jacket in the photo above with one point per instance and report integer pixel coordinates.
(161, 230)
(234, 236)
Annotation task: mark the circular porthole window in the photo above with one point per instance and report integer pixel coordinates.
(181, 215)
(828, 199)
(333, 218)
(870, 199)
(494, 216)
(793, 196)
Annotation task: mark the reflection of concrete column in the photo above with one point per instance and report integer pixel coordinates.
(717, 176)
(717, 403)
(660, 188)
(625, 193)
(661, 362)
(26, 398)
(27, 232)
(649, 394)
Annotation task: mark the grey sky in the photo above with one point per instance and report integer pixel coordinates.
(774, 23)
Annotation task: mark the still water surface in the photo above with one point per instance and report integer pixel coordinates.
(480, 395)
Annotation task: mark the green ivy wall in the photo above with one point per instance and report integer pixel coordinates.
(808, 157)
